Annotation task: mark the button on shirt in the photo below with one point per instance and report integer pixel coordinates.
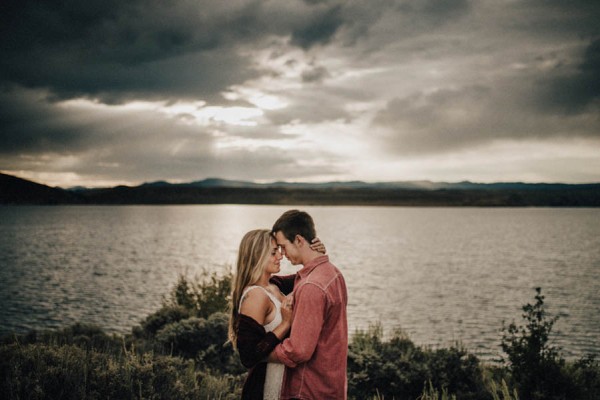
(317, 350)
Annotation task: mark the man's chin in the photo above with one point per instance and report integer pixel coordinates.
(293, 262)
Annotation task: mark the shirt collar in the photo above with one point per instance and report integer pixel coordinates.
(311, 265)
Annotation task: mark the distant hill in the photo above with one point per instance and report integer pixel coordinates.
(15, 190)
(413, 185)
(220, 191)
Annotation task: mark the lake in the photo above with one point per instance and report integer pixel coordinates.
(442, 275)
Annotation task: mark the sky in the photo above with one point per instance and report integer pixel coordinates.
(108, 92)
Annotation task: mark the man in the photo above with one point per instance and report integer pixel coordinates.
(315, 354)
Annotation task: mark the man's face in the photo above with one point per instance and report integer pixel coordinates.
(289, 249)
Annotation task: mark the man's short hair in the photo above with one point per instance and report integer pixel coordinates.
(295, 222)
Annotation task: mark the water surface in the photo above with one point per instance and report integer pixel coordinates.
(443, 275)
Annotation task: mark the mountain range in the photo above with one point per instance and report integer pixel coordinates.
(14, 190)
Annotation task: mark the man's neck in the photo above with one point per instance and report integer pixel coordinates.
(310, 256)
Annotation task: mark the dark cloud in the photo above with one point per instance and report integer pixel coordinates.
(371, 26)
(323, 25)
(114, 49)
(472, 116)
(108, 143)
(147, 48)
(433, 76)
(435, 10)
(96, 142)
(572, 91)
(30, 124)
(315, 74)
(559, 18)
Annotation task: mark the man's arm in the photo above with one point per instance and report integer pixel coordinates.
(310, 303)
(284, 283)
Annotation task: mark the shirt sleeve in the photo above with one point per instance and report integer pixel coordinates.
(310, 304)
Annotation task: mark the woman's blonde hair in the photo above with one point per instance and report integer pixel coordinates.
(253, 256)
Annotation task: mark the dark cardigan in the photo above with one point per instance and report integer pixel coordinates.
(254, 345)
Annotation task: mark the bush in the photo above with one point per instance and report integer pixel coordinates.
(399, 369)
(88, 337)
(203, 340)
(168, 314)
(537, 367)
(585, 375)
(41, 371)
(179, 352)
(458, 372)
(206, 295)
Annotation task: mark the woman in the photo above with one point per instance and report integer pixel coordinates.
(261, 315)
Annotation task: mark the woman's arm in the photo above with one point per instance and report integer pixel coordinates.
(258, 305)
(317, 245)
(254, 344)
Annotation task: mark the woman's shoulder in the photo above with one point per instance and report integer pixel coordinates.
(254, 297)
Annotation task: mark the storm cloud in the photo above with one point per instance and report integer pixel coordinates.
(103, 92)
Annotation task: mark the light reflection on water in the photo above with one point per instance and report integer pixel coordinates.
(443, 275)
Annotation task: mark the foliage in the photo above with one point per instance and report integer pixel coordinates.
(585, 375)
(397, 368)
(430, 393)
(177, 352)
(87, 337)
(43, 371)
(207, 294)
(180, 352)
(202, 339)
(502, 392)
(166, 315)
(192, 324)
(536, 366)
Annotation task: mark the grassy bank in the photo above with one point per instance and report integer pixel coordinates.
(179, 353)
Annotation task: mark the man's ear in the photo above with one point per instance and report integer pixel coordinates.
(298, 240)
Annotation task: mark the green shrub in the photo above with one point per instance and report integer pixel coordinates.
(370, 373)
(184, 338)
(398, 369)
(222, 387)
(536, 366)
(203, 340)
(88, 337)
(180, 352)
(206, 295)
(41, 371)
(585, 375)
(166, 315)
(456, 371)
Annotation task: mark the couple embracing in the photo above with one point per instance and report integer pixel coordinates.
(290, 331)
